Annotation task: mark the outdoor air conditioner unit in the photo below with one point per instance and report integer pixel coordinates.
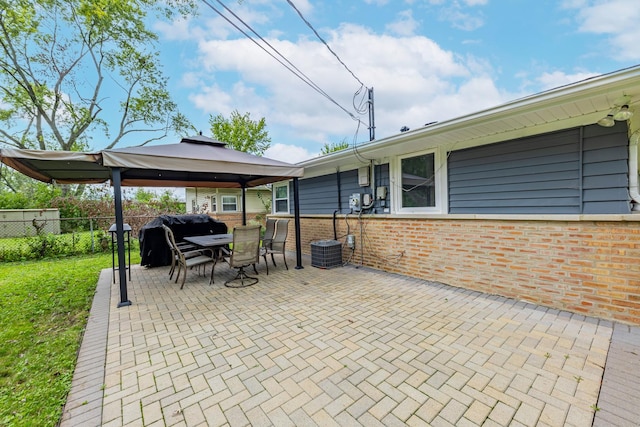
(326, 254)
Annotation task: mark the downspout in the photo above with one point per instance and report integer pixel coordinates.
(296, 207)
(634, 190)
(339, 192)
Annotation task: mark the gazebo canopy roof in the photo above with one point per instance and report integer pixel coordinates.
(196, 161)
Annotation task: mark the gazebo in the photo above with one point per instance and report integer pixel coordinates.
(196, 161)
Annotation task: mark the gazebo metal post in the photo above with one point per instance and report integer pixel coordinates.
(122, 267)
(296, 218)
(244, 204)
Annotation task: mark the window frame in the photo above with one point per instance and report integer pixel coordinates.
(275, 198)
(440, 184)
(214, 205)
(223, 203)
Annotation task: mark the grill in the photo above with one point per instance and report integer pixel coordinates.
(326, 254)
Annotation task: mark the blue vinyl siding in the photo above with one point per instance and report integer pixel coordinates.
(317, 195)
(320, 195)
(605, 170)
(348, 186)
(574, 171)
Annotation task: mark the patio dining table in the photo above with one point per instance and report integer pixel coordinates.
(210, 241)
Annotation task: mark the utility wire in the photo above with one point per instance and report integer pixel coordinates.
(292, 68)
(363, 106)
(323, 42)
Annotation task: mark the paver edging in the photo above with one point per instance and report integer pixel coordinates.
(85, 400)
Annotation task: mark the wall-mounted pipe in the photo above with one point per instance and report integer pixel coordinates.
(339, 189)
(634, 188)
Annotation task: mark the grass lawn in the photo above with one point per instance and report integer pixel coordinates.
(44, 307)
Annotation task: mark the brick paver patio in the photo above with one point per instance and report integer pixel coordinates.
(346, 346)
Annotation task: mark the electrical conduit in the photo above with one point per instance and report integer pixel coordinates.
(634, 190)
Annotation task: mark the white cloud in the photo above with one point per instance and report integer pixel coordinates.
(190, 80)
(616, 18)
(404, 25)
(289, 153)
(460, 19)
(550, 80)
(304, 6)
(415, 81)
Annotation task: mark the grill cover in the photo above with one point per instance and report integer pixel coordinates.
(154, 251)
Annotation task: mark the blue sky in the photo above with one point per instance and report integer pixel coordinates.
(427, 60)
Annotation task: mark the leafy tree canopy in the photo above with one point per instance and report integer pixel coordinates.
(335, 146)
(64, 64)
(241, 133)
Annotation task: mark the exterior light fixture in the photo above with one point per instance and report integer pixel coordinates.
(607, 121)
(623, 114)
(620, 112)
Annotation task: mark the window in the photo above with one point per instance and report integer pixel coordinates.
(229, 204)
(214, 207)
(281, 198)
(419, 183)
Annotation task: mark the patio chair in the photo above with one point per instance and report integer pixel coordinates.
(244, 252)
(188, 249)
(269, 231)
(186, 259)
(277, 243)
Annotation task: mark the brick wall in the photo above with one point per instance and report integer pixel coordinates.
(235, 219)
(590, 267)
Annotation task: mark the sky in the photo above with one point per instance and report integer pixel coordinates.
(426, 60)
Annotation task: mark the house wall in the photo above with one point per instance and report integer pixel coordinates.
(545, 219)
(256, 212)
(573, 171)
(323, 195)
(584, 264)
(202, 198)
(235, 219)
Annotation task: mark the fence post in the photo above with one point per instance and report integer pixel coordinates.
(93, 246)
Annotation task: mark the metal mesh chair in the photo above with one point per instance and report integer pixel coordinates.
(184, 260)
(277, 243)
(188, 250)
(244, 252)
(269, 231)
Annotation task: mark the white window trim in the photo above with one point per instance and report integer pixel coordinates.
(222, 203)
(440, 166)
(213, 203)
(274, 199)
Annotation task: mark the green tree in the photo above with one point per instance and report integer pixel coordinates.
(66, 64)
(241, 133)
(334, 146)
(143, 196)
(18, 191)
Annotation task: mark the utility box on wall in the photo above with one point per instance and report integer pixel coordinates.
(326, 254)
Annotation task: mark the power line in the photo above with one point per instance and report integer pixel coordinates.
(364, 106)
(324, 42)
(291, 67)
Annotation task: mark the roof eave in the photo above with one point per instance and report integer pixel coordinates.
(609, 86)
